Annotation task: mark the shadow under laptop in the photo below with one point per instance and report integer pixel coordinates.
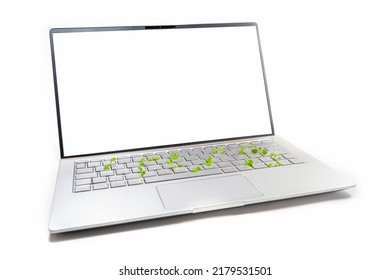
(267, 206)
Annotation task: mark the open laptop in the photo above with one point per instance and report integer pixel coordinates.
(157, 121)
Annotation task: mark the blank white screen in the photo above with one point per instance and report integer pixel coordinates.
(122, 90)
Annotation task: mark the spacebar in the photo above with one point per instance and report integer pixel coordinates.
(183, 175)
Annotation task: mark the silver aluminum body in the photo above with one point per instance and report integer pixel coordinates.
(77, 211)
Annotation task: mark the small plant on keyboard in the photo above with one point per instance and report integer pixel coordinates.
(153, 158)
(218, 150)
(209, 161)
(276, 157)
(249, 162)
(107, 166)
(195, 169)
(174, 156)
(242, 151)
(141, 167)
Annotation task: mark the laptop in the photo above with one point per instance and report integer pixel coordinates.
(158, 121)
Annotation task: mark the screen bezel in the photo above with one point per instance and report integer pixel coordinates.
(127, 28)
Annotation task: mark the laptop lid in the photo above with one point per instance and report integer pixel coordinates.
(130, 88)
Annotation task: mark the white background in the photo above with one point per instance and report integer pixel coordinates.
(328, 72)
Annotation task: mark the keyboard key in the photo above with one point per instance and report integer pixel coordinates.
(195, 153)
(161, 161)
(184, 154)
(227, 158)
(209, 167)
(94, 164)
(106, 173)
(132, 176)
(124, 160)
(83, 182)
(259, 165)
(224, 164)
(84, 170)
(164, 172)
(190, 158)
(99, 180)
(244, 167)
(117, 166)
(155, 167)
(134, 182)
(82, 161)
(100, 168)
(133, 164)
(149, 163)
(266, 159)
(81, 165)
(229, 169)
(149, 155)
(238, 157)
(115, 178)
(238, 162)
(83, 188)
(180, 169)
(198, 161)
(232, 152)
(135, 170)
(122, 171)
(136, 156)
(86, 175)
(100, 186)
(284, 162)
(203, 156)
(150, 174)
(184, 164)
(169, 166)
(118, 184)
(183, 175)
(197, 166)
(137, 159)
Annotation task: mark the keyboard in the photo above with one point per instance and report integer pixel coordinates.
(137, 169)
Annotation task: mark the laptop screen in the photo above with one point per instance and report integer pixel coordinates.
(129, 89)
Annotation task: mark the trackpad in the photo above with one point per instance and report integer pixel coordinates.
(207, 192)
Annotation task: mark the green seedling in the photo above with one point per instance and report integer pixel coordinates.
(179, 164)
(142, 161)
(209, 161)
(196, 169)
(242, 151)
(255, 151)
(174, 156)
(251, 145)
(153, 158)
(141, 170)
(217, 150)
(169, 162)
(249, 162)
(275, 157)
(263, 151)
(107, 166)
